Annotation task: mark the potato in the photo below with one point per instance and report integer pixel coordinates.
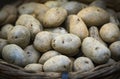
(19, 35)
(94, 32)
(99, 3)
(32, 24)
(109, 32)
(94, 16)
(115, 50)
(14, 54)
(52, 65)
(95, 50)
(34, 67)
(42, 41)
(5, 30)
(73, 7)
(47, 55)
(54, 17)
(83, 64)
(77, 26)
(32, 54)
(52, 4)
(3, 43)
(67, 44)
(59, 30)
(3, 16)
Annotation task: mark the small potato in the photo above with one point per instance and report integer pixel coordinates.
(115, 50)
(59, 30)
(3, 16)
(83, 64)
(95, 50)
(67, 44)
(54, 17)
(77, 26)
(32, 24)
(52, 4)
(58, 63)
(109, 32)
(94, 16)
(73, 7)
(32, 54)
(19, 35)
(5, 30)
(3, 43)
(14, 54)
(34, 67)
(42, 41)
(47, 55)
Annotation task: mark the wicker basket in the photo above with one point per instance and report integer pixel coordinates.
(105, 71)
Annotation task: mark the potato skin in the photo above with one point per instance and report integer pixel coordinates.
(83, 64)
(32, 54)
(54, 17)
(94, 16)
(34, 67)
(67, 44)
(109, 34)
(115, 50)
(95, 50)
(47, 55)
(14, 54)
(19, 35)
(52, 65)
(42, 41)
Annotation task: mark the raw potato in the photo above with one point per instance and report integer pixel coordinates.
(52, 4)
(14, 54)
(109, 32)
(42, 41)
(94, 16)
(54, 17)
(32, 54)
(19, 35)
(67, 44)
(77, 26)
(73, 7)
(115, 50)
(32, 24)
(3, 43)
(5, 30)
(47, 55)
(59, 30)
(34, 67)
(94, 32)
(58, 63)
(95, 50)
(83, 64)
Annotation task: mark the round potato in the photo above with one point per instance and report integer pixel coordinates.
(54, 17)
(59, 30)
(83, 64)
(5, 30)
(115, 50)
(32, 24)
(14, 54)
(34, 67)
(52, 65)
(3, 43)
(77, 26)
(109, 32)
(42, 41)
(47, 55)
(95, 50)
(67, 44)
(73, 7)
(19, 35)
(94, 16)
(32, 54)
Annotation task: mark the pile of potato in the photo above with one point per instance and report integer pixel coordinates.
(60, 35)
